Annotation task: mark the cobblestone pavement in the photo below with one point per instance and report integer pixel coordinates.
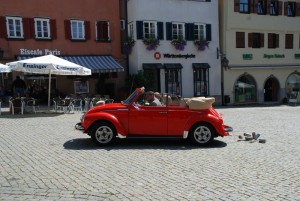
(43, 158)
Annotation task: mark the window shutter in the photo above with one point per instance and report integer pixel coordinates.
(289, 41)
(262, 40)
(297, 9)
(280, 8)
(236, 5)
(160, 30)
(139, 30)
(31, 28)
(270, 40)
(277, 40)
(26, 28)
(285, 8)
(53, 29)
(3, 31)
(268, 6)
(208, 32)
(251, 6)
(255, 6)
(189, 30)
(240, 39)
(87, 30)
(68, 29)
(169, 30)
(250, 39)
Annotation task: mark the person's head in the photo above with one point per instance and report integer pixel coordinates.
(150, 96)
(157, 95)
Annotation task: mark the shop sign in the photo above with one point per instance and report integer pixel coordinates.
(38, 52)
(176, 56)
(271, 56)
(297, 56)
(247, 56)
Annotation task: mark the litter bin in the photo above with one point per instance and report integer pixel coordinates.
(226, 99)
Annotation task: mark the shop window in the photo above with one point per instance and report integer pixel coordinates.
(293, 83)
(42, 28)
(289, 41)
(256, 40)
(245, 90)
(173, 81)
(273, 40)
(261, 7)
(14, 27)
(150, 29)
(201, 82)
(274, 8)
(240, 39)
(103, 31)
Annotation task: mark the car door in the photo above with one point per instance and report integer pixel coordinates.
(148, 120)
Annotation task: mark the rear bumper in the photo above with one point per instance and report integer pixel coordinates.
(79, 126)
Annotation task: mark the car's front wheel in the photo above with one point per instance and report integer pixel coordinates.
(201, 134)
(103, 133)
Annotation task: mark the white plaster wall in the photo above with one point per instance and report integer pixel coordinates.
(184, 12)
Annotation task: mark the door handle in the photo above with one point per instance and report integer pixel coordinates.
(162, 112)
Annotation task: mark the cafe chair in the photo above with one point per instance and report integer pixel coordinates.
(64, 105)
(109, 101)
(294, 98)
(16, 106)
(77, 105)
(31, 103)
(87, 102)
(55, 101)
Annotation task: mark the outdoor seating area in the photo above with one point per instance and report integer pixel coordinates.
(294, 98)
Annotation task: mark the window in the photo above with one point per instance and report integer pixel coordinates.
(130, 31)
(274, 8)
(240, 39)
(14, 27)
(201, 82)
(256, 40)
(273, 40)
(289, 41)
(245, 89)
(122, 25)
(177, 31)
(42, 28)
(173, 81)
(77, 29)
(261, 7)
(199, 32)
(291, 9)
(244, 6)
(150, 30)
(103, 32)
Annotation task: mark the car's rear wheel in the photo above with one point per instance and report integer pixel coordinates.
(103, 133)
(201, 134)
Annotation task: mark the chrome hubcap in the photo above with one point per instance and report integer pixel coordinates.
(202, 134)
(104, 134)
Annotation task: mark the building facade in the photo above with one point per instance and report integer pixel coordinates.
(261, 40)
(88, 34)
(174, 43)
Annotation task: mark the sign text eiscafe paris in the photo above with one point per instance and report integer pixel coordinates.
(39, 52)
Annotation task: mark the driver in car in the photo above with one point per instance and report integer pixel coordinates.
(151, 99)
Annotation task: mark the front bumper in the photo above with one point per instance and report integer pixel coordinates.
(79, 126)
(228, 129)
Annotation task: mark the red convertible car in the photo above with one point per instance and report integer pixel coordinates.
(133, 118)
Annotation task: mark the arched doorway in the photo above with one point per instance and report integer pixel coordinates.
(245, 89)
(271, 89)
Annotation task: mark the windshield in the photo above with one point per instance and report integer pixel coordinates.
(130, 98)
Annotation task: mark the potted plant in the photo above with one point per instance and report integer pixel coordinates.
(127, 46)
(179, 43)
(201, 44)
(151, 43)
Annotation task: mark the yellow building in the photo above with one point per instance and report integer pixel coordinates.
(261, 40)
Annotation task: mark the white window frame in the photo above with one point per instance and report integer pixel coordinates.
(150, 29)
(130, 31)
(178, 30)
(42, 25)
(14, 26)
(77, 30)
(122, 24)
(199, 31)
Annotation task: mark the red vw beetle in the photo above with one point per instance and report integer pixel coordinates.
(133, 118)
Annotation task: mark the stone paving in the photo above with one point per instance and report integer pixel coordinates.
(42, 157)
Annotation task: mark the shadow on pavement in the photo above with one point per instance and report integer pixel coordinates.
(168, 144)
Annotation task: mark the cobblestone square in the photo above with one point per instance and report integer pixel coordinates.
(42, 157)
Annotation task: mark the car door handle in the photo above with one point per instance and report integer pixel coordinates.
(163, 112)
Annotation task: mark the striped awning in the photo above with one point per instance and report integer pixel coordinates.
(97, 64)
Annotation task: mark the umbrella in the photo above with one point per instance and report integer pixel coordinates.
(48, 64)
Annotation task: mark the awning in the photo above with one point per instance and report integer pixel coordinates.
(200, 65)
(173, 66)
(98, 64)
(152, 66)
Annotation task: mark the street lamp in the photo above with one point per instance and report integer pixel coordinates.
(224, 64)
